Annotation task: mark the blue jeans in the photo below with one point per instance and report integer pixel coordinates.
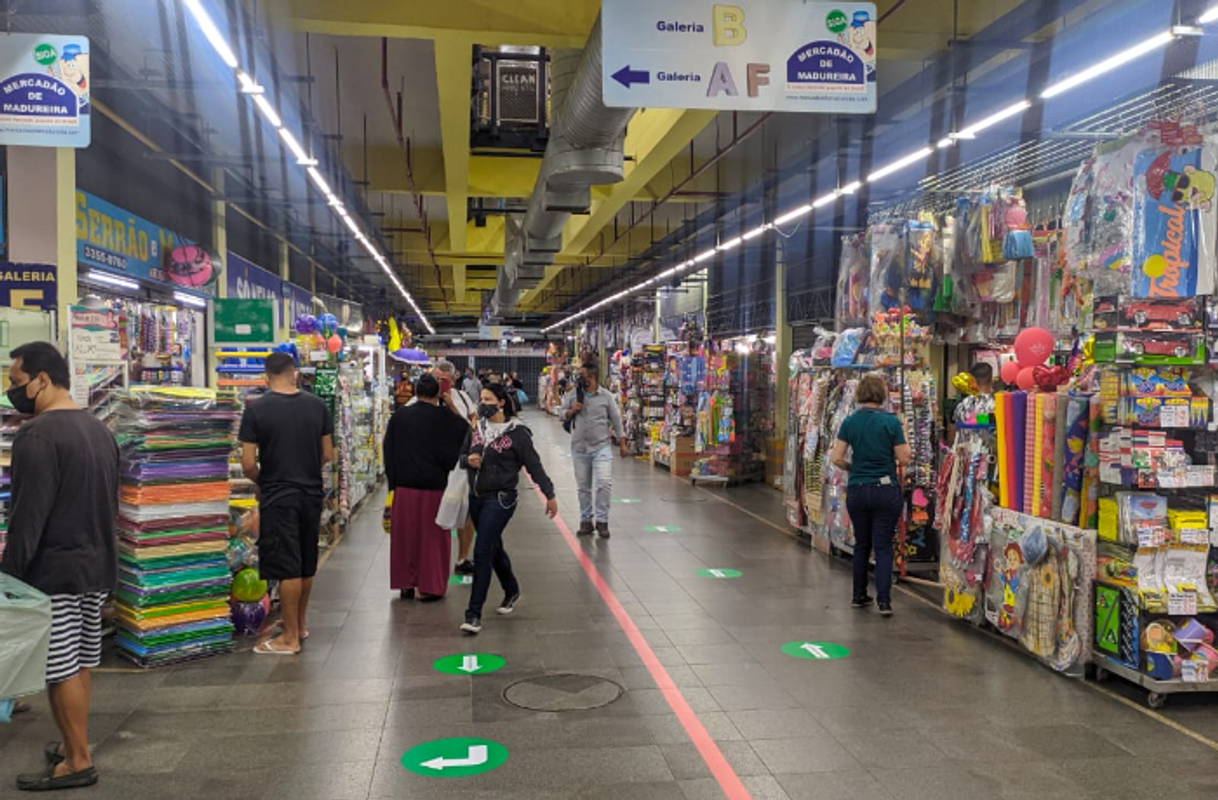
(491, 514)
(594, 466)
(874, 511)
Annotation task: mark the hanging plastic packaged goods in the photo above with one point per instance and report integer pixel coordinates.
(1175, 216)
(853, 274)
(922, 270)
(888, 272)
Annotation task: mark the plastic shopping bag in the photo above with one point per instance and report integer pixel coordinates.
(454, 506)
(25, 637)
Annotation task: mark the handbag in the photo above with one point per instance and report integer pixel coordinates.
(454, 505)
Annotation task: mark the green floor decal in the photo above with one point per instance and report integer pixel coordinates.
(455, 758)
(815, 651)
(718, 573)
(469, 664)
(461, 580)
(663, 529)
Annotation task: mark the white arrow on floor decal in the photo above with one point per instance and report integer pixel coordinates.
(470, 664)
(718, 573)
(479, 754)
(816, 650)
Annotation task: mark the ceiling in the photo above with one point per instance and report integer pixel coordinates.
(429, 56)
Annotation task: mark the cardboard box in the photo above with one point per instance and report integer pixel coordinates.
(683, 446)
(683, 464)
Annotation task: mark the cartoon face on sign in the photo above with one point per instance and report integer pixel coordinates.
(860, 37)
(73, 69)
(191, 265)
(1190, 188)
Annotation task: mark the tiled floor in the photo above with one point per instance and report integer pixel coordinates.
(923, 708)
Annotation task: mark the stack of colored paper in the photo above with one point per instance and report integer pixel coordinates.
(173, 588)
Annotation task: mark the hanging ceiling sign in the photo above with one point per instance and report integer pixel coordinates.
(30, 286)
(755, 55)
(249, 282)
(44, 90)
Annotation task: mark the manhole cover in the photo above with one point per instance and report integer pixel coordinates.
(694, 499)
(565, 692)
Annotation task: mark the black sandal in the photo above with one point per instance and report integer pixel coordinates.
(47, 782)
(51, 753)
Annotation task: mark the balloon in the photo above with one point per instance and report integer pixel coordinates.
(342, 332)
(328, 323)
(1049, 378)
(1009, 372)
(1033, 347)
(1026, 379)
(248, 587)
(335, 344)
(266, 603)
(248, 617)
(237, 552)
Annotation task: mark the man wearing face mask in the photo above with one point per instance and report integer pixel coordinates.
(61, 541)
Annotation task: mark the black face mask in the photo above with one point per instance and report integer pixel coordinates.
(488, 410)
(22, 403)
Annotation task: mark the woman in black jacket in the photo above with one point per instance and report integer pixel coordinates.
(494, 452)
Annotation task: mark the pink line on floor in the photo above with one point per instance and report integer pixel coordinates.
(728, 780)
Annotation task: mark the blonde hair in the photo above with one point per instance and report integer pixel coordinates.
(872, 390)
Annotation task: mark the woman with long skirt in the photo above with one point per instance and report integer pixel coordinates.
(494, 453)
(422, 444)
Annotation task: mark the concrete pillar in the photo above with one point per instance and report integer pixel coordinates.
(655, 327)
(285, 274)
(219, 226)
(42, 218)
(782, 344)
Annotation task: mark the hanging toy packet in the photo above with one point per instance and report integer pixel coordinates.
(1175, 218)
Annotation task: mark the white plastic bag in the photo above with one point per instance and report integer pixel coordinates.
(25, 637)
(454, 506)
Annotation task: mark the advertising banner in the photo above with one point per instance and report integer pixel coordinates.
(751, 55)
(297, 301)
(249, 282)
(1176, 220)
(29, 286)
(44, 90)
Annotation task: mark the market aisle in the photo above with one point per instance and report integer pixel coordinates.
(922, 708)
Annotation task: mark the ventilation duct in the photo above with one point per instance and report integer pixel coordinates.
(585, 150)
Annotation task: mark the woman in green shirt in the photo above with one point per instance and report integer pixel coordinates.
(873, 493)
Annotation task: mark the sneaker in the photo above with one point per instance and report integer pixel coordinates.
(509, 604)
(471, 625)
(861, 602)
(885, 609)
(602, 528)
(464, 567)
(585, 529)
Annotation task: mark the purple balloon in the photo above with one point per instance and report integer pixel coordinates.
(248, 617)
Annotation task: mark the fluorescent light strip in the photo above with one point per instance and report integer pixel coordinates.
(248, 84)
(993, 119)
(730, 243)
(709, 254)
(190, 300)
(828, 199)
(850, 188)
(753, 234)
(900, 164)
(320, 182)
(1209, 16)
(218, 42)
(268, 111)
(1107, 65)
(791, 216)
(301, 156)
(93, 276)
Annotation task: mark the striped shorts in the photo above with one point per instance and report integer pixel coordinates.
(76, 634)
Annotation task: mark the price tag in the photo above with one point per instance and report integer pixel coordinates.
(318, 355)
(1181, 604)
(1195, 671)
(1194, 536)
(1174, 415)
(1151, 536)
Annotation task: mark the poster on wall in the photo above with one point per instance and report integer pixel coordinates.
(28, 286)
(750, 55)
(44, 90)
(97, 338)
(247, 281)
(297, 301)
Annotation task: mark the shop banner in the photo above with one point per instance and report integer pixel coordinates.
(751, 55)
(350, 314)
(1176, 219)
(44, 90)
(297, 302)
(246, 281)
(31, 286)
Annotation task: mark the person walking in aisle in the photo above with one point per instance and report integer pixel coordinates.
(422, 444)
(473, 386)
(494, 452)
(593, 421)
(61, 541)
(287, 438)
(458, 403)
(873, 492)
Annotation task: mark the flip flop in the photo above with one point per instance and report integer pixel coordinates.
(47, 782)
(266, 649)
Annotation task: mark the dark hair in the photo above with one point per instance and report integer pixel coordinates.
(39, 357)
(593, 368)
(871, 390)
(278, 364)
(983, 372)
(427, 387)
(509, 406)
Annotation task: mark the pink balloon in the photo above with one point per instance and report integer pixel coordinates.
(1026, 379)
(1033, 347)
(335, 344)
(1009, 372)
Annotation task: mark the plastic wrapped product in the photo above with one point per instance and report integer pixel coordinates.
(888, 275)
(853, 274)
(1175, 219)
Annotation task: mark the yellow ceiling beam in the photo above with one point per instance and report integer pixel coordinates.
(543, 23)
(654, 138)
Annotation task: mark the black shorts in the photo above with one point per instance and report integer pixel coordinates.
(288, 531)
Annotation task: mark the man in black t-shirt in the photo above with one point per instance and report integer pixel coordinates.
(286, 440)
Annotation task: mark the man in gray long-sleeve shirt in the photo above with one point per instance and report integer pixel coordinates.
(595, 420)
